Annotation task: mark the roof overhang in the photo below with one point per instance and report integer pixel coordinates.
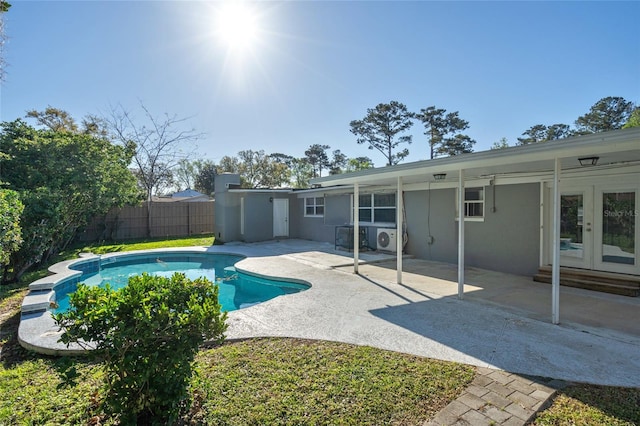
(259, 191)
(615, 149)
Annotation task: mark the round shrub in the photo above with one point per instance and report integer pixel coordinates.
(147, 335)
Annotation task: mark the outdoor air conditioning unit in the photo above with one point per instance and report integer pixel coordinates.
(387, 239)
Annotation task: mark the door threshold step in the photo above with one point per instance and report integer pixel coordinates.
(621, 284)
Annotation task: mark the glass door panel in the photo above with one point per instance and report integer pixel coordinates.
(572, 250)
(619, 216)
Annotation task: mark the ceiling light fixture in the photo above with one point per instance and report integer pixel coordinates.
(588, 161)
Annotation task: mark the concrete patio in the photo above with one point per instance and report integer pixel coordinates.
(503, 321)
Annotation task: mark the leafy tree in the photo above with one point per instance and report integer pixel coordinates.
(338, 162)
(54, 119)
(280, 175)
(443, 131)
(59, 120)
(256, 169)
(380, 127)
(634, 119)
(205, 179)
(359, 163)
(501, 144)
(608, 113)
(317, 156)
(285, 159)
(10, 231)
(558, 131)
(229, 165)
(301, 173)
(458, 144)
(290, 164)
(64, 179)
(96, 126)
(534, 134)
(541, 133)
(147, 335)
(185, 174)
(435, 126)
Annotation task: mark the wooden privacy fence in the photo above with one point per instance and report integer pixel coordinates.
(176, 219)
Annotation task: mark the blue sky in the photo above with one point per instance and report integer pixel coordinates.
(315, 66)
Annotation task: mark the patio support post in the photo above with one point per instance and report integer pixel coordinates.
(555, 265)
(356, 226)
(542, 227)
(461, 235)
(399, 233)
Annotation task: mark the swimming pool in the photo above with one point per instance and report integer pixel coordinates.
(237, 290)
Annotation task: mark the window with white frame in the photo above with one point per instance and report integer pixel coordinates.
(377, 208)
(473, 204)
(314, 206)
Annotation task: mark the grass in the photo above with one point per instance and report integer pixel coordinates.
(261, 381)
(593, 405)
(287, 381)
(147, 244)
(270, 381)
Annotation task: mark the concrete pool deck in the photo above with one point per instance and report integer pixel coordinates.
(502, 323)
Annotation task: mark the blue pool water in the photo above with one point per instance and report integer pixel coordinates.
(236, 290)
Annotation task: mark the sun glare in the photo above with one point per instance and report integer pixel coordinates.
(237, 26)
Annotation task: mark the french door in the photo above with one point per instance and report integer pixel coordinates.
(576, 228)
(600, 228)
(618, 224)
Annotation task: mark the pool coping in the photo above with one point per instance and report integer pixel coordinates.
(38, 330)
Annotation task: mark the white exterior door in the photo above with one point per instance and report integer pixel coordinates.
(600, 227)
(280, 217)
(576, 228)
(618, 229)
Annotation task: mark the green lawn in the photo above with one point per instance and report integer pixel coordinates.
(260, 381)
(201, 240)
(593, 405)
(271, 381)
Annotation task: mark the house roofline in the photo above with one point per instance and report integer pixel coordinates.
(259, 190)
(586, 145)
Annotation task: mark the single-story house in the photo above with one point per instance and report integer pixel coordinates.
(573, 203)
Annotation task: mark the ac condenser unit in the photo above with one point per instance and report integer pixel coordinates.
(387, 239)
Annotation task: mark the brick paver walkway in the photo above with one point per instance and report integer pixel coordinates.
(497, 397)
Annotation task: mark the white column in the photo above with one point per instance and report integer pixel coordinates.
(356, 226)
(461, 235)
(399, 217)
(555, 268)
(543, 239)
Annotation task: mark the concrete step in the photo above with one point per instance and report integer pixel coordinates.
(625, 285)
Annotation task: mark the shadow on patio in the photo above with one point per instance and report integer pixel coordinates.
(595, 312)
